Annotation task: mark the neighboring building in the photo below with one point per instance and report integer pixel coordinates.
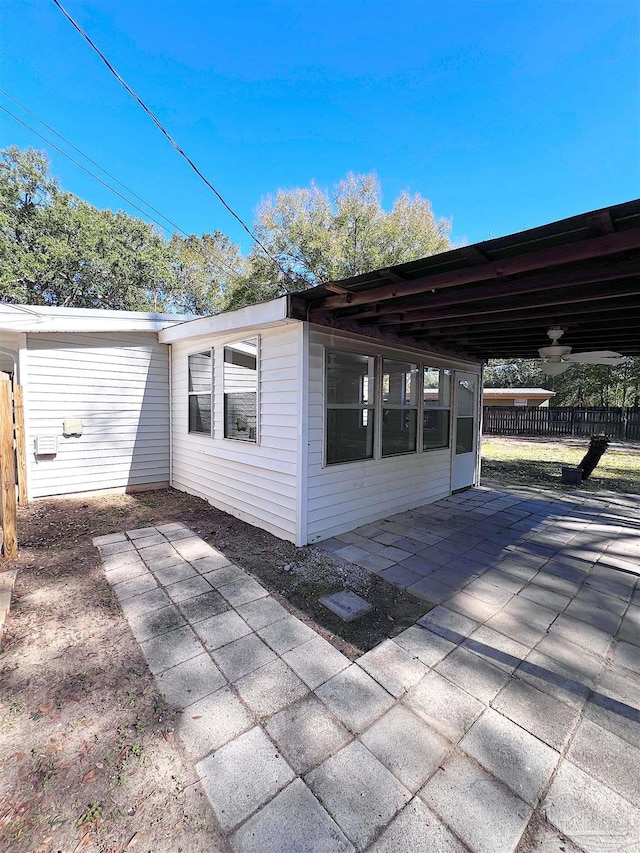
(96, 388)
(523, 397)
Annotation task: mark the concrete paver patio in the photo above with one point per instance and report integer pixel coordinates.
(507, 718)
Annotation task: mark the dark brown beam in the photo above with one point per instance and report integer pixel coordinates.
(626, 268)
(592, 293)
(594, 247)
(616, 315)
(547, 315)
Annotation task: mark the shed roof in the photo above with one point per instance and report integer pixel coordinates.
(518, 392)
(496, 299)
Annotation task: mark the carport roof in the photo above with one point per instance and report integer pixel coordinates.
(496, 299)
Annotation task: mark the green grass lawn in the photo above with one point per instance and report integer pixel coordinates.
(537, 462)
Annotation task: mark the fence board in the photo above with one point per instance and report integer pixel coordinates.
(8, 508)
(620, 423)
(21, 451)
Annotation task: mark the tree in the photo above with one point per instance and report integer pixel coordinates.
(318, 236)
(581, 385)
(205, 268)
(58, 250)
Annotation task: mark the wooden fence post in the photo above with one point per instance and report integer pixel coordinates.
(21, 451)
(8, 506)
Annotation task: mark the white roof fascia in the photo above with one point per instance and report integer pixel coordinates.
(253, 316)
(44, 319)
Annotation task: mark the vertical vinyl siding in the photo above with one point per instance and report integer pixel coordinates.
(344, 496)
(118, 385)
(256, 482)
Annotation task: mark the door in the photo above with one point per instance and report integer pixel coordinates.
(465, 430)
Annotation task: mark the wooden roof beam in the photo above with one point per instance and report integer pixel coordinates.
(595, 247)
(622, 269)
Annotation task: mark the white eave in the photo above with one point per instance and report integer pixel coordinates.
(45, 319)
(252, 317)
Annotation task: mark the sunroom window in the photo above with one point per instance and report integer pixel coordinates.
(350, 396)
(399, 407)
(199, 391)
(240, 379)
(436, 407)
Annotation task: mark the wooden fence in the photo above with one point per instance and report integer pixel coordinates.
(13, 481)
(619, 423)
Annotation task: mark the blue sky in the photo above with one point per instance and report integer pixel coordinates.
(505, 115)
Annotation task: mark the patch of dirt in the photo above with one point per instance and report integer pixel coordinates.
(88, 756)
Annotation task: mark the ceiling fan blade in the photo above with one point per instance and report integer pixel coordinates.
(597, 357)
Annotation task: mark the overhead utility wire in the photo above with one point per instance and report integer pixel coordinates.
(86, 157)
(104, 183)
(79, 165)
(166, 133)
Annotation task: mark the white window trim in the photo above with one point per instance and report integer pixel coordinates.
(243, 441)
(190, 394)
(378, 406)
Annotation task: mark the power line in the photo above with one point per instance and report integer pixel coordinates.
(166, 133)
(86, 157)
(80, 166)
(104, 183)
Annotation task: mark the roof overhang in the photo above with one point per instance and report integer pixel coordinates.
(44, 319)
(252, 317)
(496, 299)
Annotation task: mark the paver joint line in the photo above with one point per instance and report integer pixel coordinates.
(519, 672)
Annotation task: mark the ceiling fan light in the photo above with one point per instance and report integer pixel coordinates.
(554, 368)
(554, 351)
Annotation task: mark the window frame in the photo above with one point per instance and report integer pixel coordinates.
(210, 352)
(424, 366)
(344, 406)
(400, 407)
(355, 348)
(255, 442)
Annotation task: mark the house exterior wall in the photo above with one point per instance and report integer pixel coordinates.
(258, 483)
(117, 384)
(343, 496)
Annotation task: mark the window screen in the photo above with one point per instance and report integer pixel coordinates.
(350, 396)
(241, 390)
(199, 390)
(436, 407)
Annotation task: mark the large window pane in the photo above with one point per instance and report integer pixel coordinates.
(400, 407)
(436, 401)
(436, 387)
(399, 431)
(350, 394)
(200, 413)
(199, 392)
(349, 435)
(464, 435)
(435, 428)
(350, 379)
(240, 378)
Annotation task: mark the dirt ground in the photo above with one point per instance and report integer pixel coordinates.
(88, 756)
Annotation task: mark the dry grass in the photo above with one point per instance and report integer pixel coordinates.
(538, 462)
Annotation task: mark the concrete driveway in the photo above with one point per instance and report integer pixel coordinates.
(507, 718)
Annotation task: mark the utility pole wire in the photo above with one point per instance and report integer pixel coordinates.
(93, 162)
(171, 140)
(222, 263)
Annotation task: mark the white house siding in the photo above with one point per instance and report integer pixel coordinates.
(117, 384)
(257, 483)
(344, 496)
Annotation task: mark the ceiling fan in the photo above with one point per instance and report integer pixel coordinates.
(556, 358)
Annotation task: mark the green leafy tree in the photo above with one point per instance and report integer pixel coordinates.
(317, 236)
(205, 268)
(58, 250)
